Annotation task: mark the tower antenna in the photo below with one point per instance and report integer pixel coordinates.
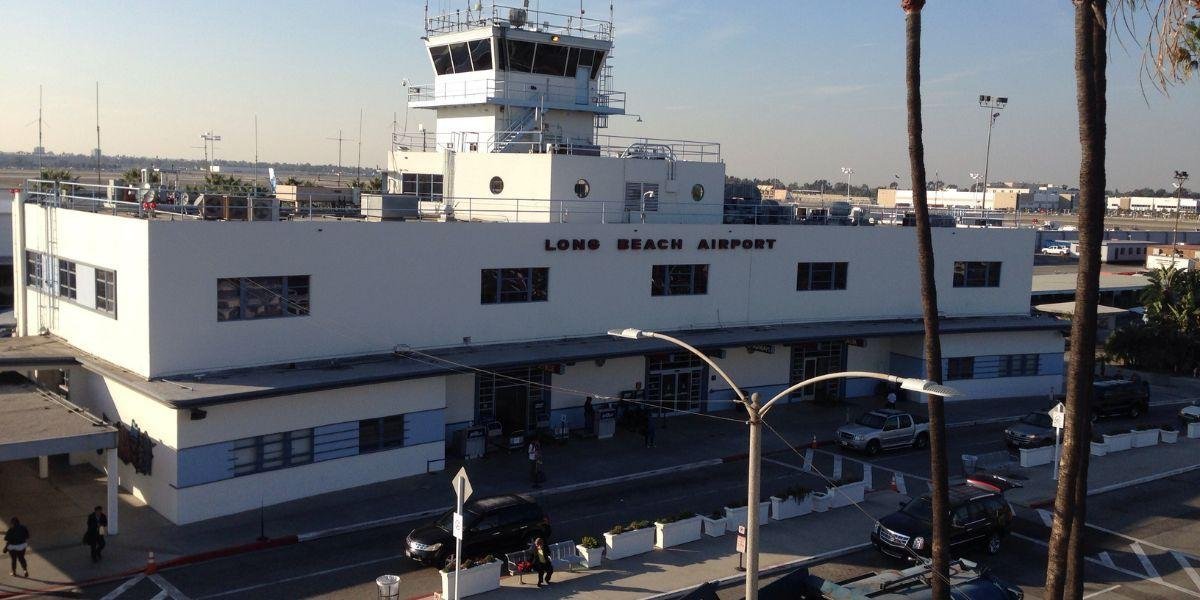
(256, 155)
(339, 139)
(358, 164)
(41, 149)
(97, 133)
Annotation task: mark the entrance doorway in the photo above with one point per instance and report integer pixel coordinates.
(811, 359)
(516, 398)
(675, 383)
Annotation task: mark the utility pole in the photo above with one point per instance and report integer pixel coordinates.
(1180, 177)
(994, 106)
(339, 139)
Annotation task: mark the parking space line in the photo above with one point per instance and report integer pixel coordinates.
(1114, 567)
(124, 587)
(1047, 517)
(1187, 567)
(161, 595)
(1145, 560)
(1142, 542)
(1103, 591)
(250, 588)
(167, 588)
(1106, 560)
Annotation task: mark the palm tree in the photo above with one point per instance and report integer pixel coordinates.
(1064, 565)
(57, 175)
(939, 542)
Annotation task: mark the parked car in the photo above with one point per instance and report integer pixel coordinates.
(967, 580)
(1190, 413)
(1056, 251)
(1120, 397)
(979, 514)
(884, 428)
(1034, 430)
(490, 526)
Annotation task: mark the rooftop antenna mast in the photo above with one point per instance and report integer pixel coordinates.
(339, 139)
(256, 154)
(97, 133)
(41, 148)
(358, 164)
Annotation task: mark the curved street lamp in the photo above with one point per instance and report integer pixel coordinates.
(756, 411)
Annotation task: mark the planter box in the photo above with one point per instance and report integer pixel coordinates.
(674, 534)
(820, 501)
(591, 556)
(735, 517)
(1193, 430)
(1032, 457)
(790, 508)
(1168, 437)
(845, 495)
(1119, 442)
(476, 580)
(1145, 438)
(1099, 449)
(638, 541)
(713, 527)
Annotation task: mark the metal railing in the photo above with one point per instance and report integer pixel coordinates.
(500, 15)
(548, 142)
(543, 92)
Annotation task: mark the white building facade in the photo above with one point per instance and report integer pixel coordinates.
(274, 360)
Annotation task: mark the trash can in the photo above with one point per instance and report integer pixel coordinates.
(605, 423)
(473, 442)
(389, 587)
(969, 461)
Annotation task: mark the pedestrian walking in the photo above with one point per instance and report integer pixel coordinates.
(891, 399)
(541, 561)
(648, 429)
(97, 528)
(16, 542)
(535, 463)
(589, 416)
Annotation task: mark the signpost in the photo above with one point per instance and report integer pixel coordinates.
(462, 490)
(1057, 417)
(741, 546)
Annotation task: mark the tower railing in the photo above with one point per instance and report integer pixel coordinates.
(501, 15)
(499, 89)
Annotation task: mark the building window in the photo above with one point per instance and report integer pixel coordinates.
(273, 451)
(583, 188)
(240, 298)
(481, 54)
(976, 274)
(106, 291)
(34, 277)
(641, 196)
(679, 280)
(385, 433)
(425, 186)
(821, 276)
(496, 185)
(527, 284)
(1018, 365)
(960, 368)
(66, 279)
(697, 192)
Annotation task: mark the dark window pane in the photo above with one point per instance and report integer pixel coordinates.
(585, 59)
(803, 276)
(408, 183)
(520, 56)
(441, 60)
(658, 276)
(839, 278)
(297, 295)
(272, 451)
(264, 297)
(597, 62)
(514, 285)
(229, 302)
(993, 274)
(572, 61)
(392, 432)
(822, 276)
(551, 59)
(461, 57)
(541, 284)
(368, 435)
(481, 54)
(701, 279)
(489, 286)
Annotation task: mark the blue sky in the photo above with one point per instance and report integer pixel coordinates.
(792, 89)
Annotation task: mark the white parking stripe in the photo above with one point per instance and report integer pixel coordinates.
(1187, 567)
(1106, 560)
(124, 587)
(166, 587)
(161, 595)
(1047, 517)
(1181, 590)
(306, 576)
(1145, 560)
(1142, 542)
(1103, 591)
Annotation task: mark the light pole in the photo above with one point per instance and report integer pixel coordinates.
(849, 172)
(210, 138)
(993, 106)
(1180, 177)
(755, 413)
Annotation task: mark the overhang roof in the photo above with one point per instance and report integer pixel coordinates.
(188, 391)
(38, 423)
(1064, 283)
(1068, 309)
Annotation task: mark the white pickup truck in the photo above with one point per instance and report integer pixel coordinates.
(882, 429)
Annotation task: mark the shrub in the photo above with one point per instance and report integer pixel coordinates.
(798, 492)
(1167, 427)
(1097, 438)
(676, 517)
(716, 514)
(1144, 427)
(617, 530)
(738, 503)
(589, 542)
(639, 524)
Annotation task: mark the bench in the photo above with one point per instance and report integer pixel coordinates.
(512, 559)
(565, 552)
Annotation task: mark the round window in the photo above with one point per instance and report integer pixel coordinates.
(497, 185)
(583, 188)
(697, 192)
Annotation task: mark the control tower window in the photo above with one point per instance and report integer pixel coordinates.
(597, 62)
(551, 60)
(461, 57)
(481, 54)
(579, 57)
(441, 60)
(520, 56)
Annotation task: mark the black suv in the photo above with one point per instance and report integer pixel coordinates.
(978, 512)
(1120, 397)
(490, 525)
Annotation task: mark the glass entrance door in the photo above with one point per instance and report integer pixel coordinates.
(675, 383)
(811, 359)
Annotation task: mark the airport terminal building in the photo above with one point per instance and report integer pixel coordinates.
(271, 359)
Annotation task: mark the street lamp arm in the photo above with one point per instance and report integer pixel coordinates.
(702, 356)
(909, 383)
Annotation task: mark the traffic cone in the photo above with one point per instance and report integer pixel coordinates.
(151, 566)
(814, 441)
(894, 488)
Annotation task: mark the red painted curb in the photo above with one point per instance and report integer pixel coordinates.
(1041, 503)
(803, 446)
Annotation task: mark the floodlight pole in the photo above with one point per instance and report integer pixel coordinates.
(993, 106)
(1180, 177)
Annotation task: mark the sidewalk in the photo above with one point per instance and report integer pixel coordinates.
(56, 508)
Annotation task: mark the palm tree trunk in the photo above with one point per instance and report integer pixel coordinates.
(939, 542)
(1073, 584)
(1071, 492)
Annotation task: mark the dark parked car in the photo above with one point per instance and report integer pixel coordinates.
(1034, 430)
(490, 526)
(1120, 397)
(979, 514)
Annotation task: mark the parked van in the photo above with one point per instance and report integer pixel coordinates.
(1120, 397)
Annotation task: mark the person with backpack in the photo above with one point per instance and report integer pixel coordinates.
(16, 542)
